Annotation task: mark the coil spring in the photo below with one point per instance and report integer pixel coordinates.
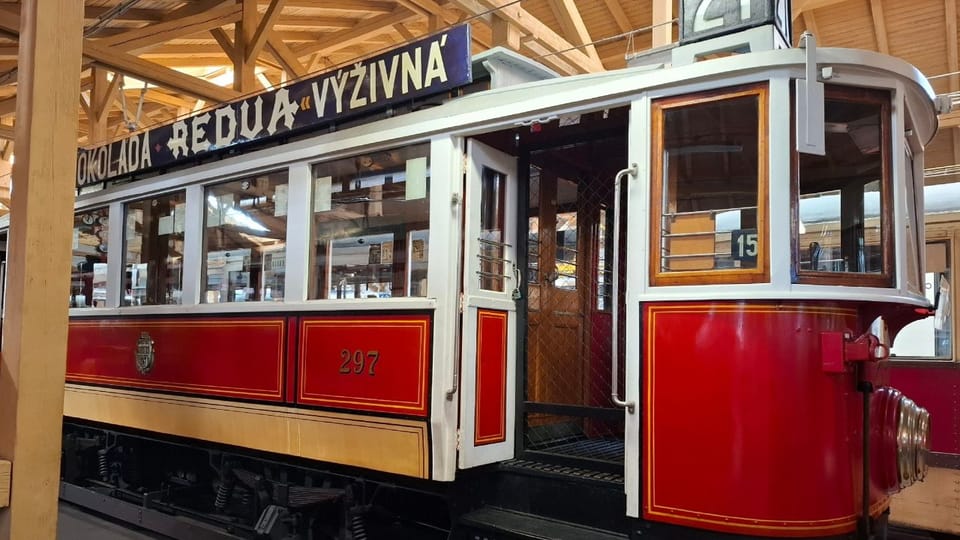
(358, 528)
(102, 465)
(223, 495)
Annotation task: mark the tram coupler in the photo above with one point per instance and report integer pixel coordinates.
(838, 348)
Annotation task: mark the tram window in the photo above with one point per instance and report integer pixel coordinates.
(245, 240)
(710, 188)
(88, 273)
(370, 225)
(493, 191)
(153, 248)
(844, 203)
(932, 337)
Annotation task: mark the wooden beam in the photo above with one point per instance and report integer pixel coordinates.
(534, 27)
(35, 322)
(949, 120)
(505, 34)
(85, 106)
(164, 98)
(226, 44)
(135, 67)
(619, 15)
(404, 32)
(131, 14)
(803, 6)
(100, 103)
(351, 6)
(156, 74)
(544, 55)
(288, 60)
(315, 22)
(811, 23)
(8, 106)
(953, 65)
(179, 25)
(573, 26)
(361, 32)
(662, 34)
(6, 132)
(263, 30)
(880, 26)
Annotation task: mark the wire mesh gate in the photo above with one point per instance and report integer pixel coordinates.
(567, 409)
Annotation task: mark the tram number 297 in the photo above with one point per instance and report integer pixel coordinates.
(358, 362)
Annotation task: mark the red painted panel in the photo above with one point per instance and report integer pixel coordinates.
(490, 417)
(744, 431)
(232, 357)
(374, 363)
(936, 387)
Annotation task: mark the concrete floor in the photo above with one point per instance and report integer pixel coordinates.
(76, 524)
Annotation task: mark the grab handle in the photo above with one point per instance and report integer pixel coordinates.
(614, 360)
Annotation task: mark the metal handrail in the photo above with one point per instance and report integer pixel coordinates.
(615, 301)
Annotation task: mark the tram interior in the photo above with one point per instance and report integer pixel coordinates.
(567, 171)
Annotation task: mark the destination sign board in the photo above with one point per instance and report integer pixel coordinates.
(429, 66)
(703, 19)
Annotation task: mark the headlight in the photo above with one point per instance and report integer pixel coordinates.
(913, 435)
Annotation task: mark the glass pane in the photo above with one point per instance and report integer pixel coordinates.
(932, 337)
(566, 269)
(604, 260)
(913, 216)
(246, 232)
(88, 274)
(418, 254)
(153, 247)
(710, 185)
(492, 203)
(841, 223)
(370, 225)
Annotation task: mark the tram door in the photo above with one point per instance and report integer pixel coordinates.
(567, 410)
(490, 292)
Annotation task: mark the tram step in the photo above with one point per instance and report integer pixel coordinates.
(562, 495)
(489, 523)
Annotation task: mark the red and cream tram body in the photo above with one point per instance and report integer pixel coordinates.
(600, 306)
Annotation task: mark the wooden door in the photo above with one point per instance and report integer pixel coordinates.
(555, 370)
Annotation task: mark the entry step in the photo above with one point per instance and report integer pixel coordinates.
(490, 523)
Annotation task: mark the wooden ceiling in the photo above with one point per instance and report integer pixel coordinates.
(196, 53)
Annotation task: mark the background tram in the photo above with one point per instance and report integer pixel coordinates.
(596, 307)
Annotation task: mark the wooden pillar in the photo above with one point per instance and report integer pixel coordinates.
(663, 32)
(35, 326)
(100, 102)
(244, 78)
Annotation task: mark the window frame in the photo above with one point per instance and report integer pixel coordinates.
(125, 213)
(319, 278)
(887, 277)
(759, 274)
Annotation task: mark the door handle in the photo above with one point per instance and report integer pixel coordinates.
(614, 360)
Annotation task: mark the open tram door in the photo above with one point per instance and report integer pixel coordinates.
(490, 279)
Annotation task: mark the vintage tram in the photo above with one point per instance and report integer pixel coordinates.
(617, 305)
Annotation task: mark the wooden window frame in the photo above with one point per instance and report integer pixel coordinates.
(887, 277)
(759, 274)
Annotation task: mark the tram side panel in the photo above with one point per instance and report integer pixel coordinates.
(736, 401)
(347, 389)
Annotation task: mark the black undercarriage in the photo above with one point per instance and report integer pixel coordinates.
(185, 489)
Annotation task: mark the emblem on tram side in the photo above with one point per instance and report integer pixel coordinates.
(144, 356)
